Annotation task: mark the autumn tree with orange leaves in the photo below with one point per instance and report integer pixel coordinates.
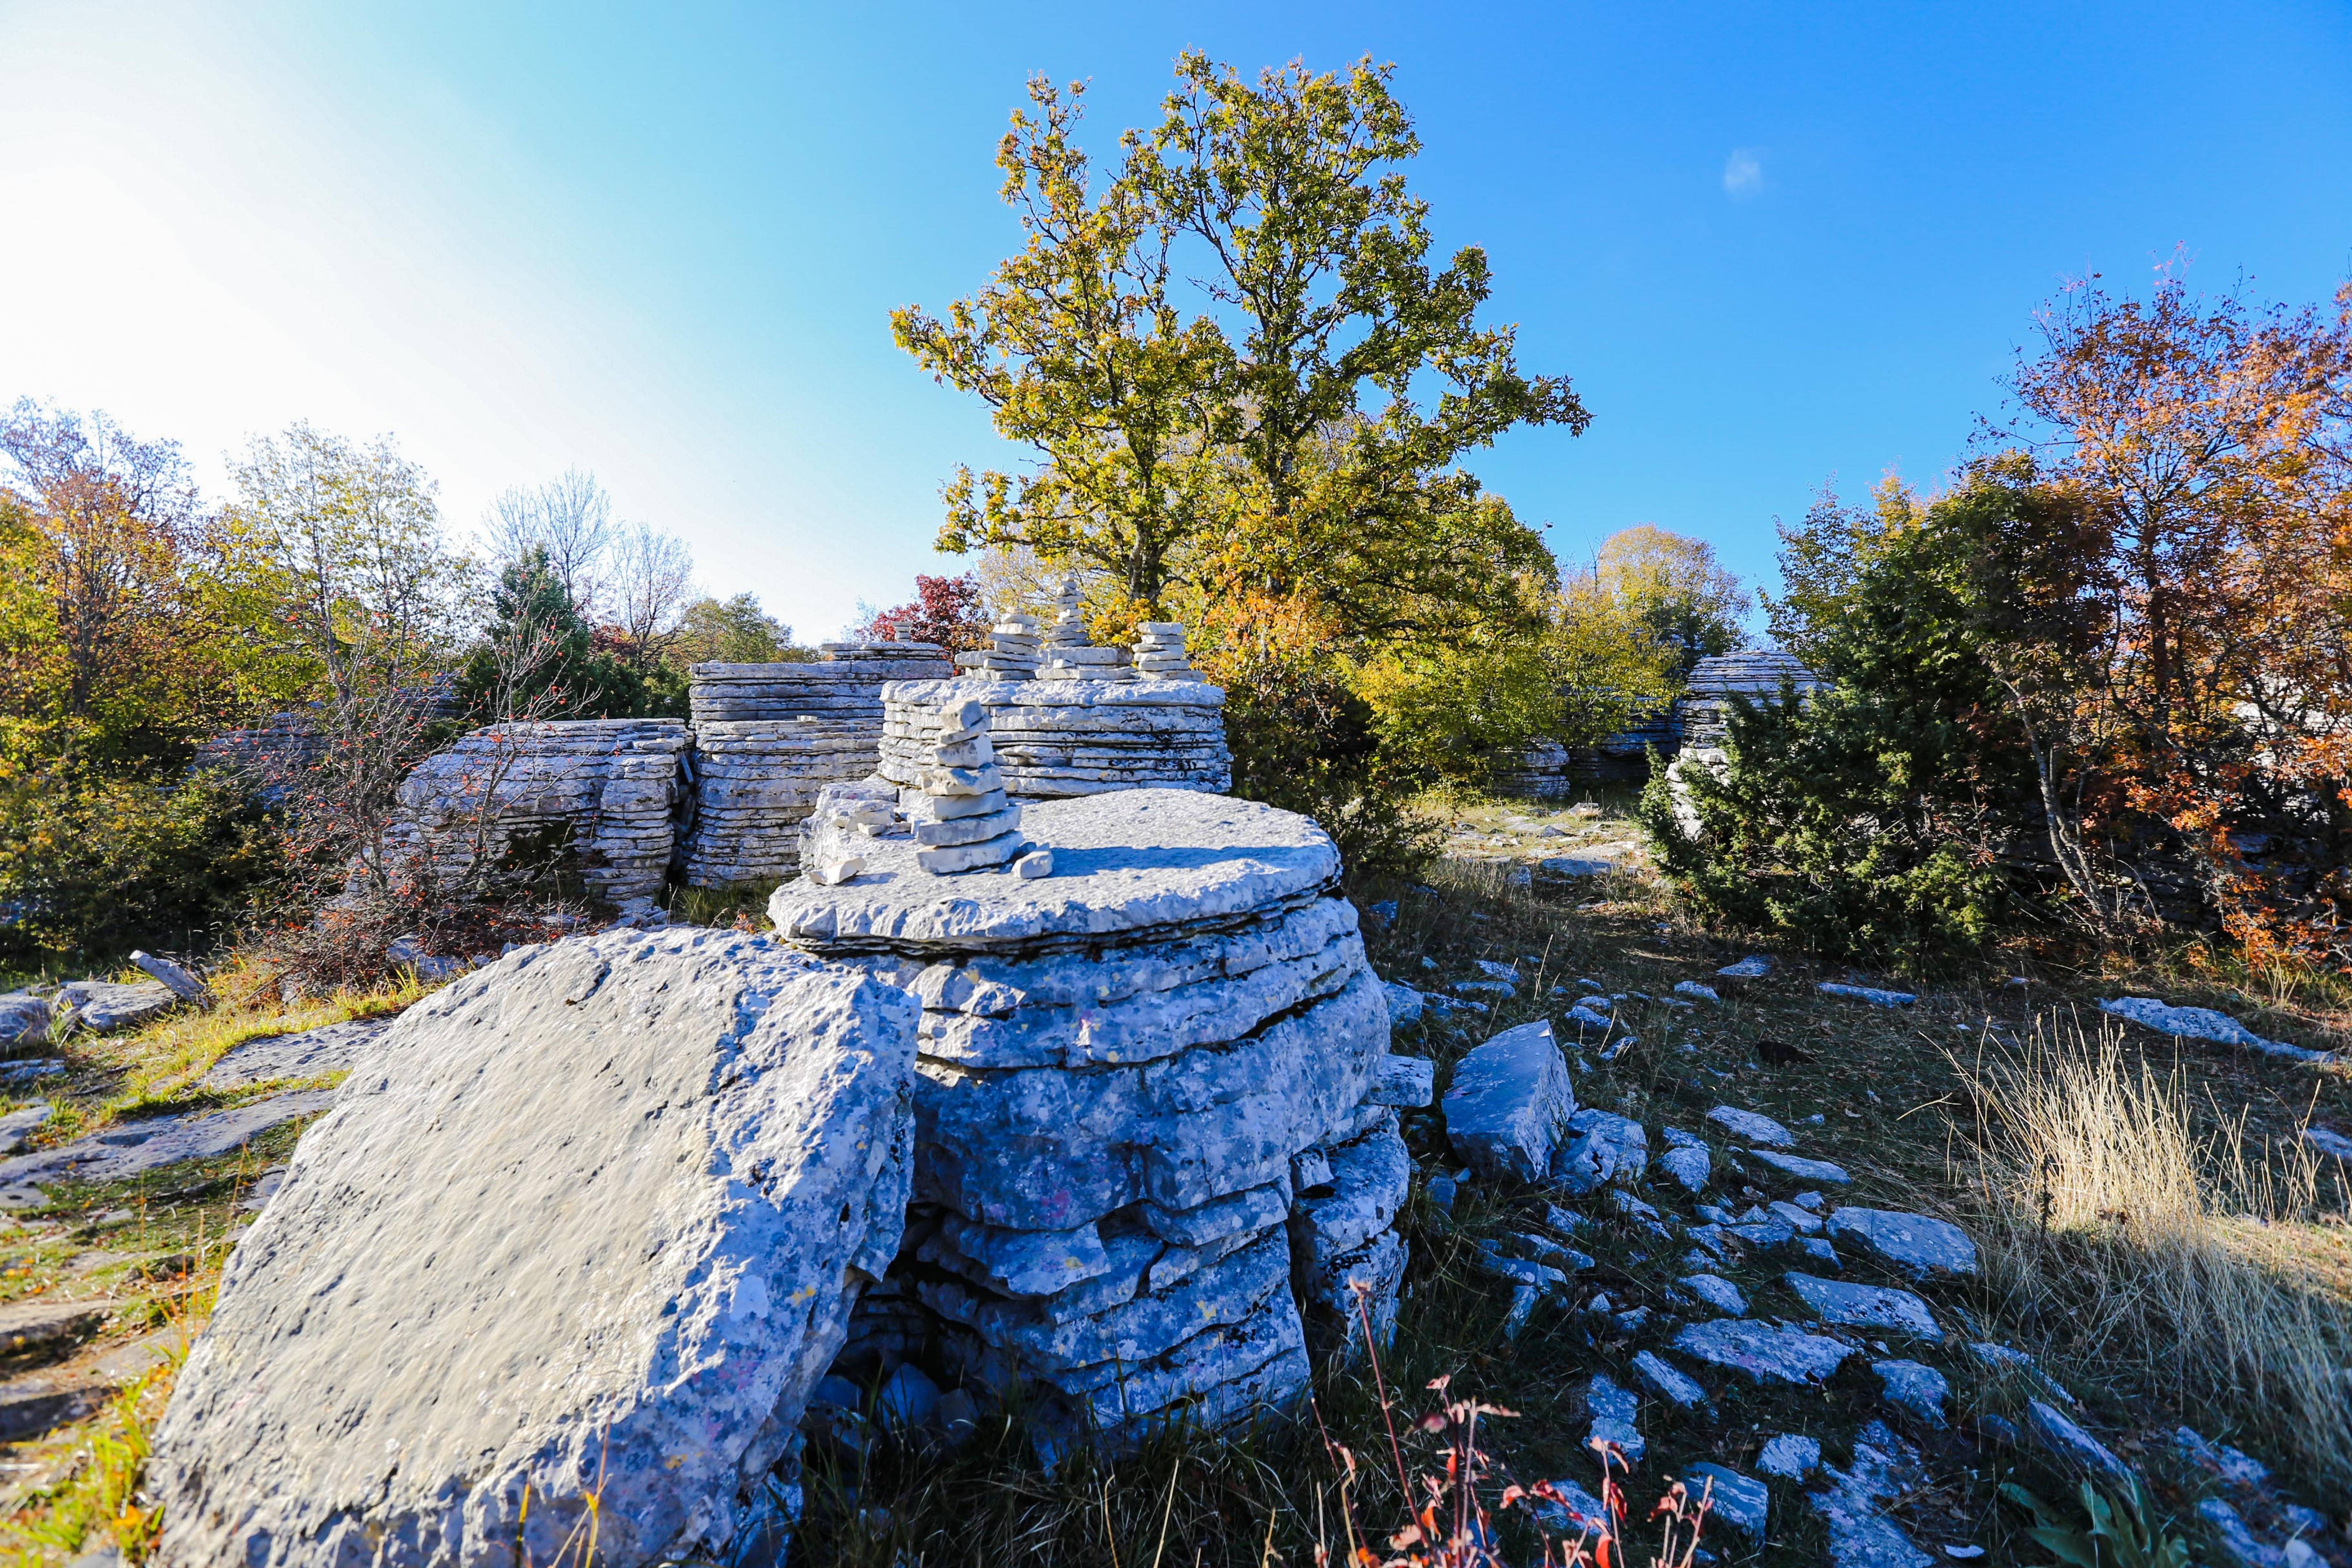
(2175, 638)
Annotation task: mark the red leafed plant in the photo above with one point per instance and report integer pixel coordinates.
(1450, 1525)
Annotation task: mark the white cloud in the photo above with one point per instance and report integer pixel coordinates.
(1743, 172)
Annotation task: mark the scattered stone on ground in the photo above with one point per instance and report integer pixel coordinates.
(181, 983)
(1790, 1455)
(2059, 1436)
(1404, 1003)
(1577, 1512)
(102, 1006)
(1613, 1410)
(1870, 993)
(1509, 1103)
(1804, 1170)
(1861, 1535)
(1754, 1128)
(1716, 1291)
(1689, 1164)
(130, 1148)
(2204, 1024)
(312, 1053)
(1864, 1306)
(17, 1127)
(1917, 1244)
(1696, 991)
(1762, 1351)
(23, 1017)
(1741, 1501)
(1756, 966)
(1916, 1387)
(660, 1167)
(2334, 1144)
(44, 1324)
(1602, 1148)
(1670, 1382)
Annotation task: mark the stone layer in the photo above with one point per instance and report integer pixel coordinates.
(1061, 738)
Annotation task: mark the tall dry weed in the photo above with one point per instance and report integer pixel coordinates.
(2161, 1258)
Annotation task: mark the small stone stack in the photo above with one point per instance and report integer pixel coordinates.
(1070, 654)
(609, 788)
(1159, 652)
(961, 820)
(1060, 738)
(1156, 1135)
(1011, 654)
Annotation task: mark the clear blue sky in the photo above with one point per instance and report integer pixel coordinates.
(1771, 244)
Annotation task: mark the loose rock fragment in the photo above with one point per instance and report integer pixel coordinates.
(1756, 1129)
(2059, 1436)
(1918, 1388)
(1866, 1306)
(2204, 1024)
(1509, 1103)
(1762, 1351)
(1916, 1243)
(1669, 1381)
(1804, 1170)
(1790, 1456)
(1602, 1148)
(1872, 994)
(1716, 1291)
(1613, 1410)
(1741, 1501)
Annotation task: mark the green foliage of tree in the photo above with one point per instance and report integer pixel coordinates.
(1673, 585)
(1589, 664)
(1872, 819)
(734, 631)
(540, 658)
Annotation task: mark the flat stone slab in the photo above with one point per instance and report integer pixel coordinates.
(1754, 1128)
(586, 1231)
(312, 1053)
(1861, 1535)
(2204, 1024)
(1804, 1170)
(1127, 865)
(132, 1148)
(1509, 1103)
(1915, 1243)
(1763, 1350)
(1741, 1501)
(1866, 1306)
(103, 1005)
(1870, 993)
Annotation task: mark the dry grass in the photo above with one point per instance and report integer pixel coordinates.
(2155, 1251)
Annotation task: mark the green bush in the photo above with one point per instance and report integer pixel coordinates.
(92, 866)
(1874, 819)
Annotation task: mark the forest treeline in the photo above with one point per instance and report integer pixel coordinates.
(137, 617)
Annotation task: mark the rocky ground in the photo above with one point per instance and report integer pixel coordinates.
(1858, 1380)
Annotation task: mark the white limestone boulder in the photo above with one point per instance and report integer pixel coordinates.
(589, 1223)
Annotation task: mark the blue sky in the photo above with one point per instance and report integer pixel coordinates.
(1772, 245)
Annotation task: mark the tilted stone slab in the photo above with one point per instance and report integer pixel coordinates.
(1509, 1103)
(591, 1221)
(1127, 865)
(131, 1149)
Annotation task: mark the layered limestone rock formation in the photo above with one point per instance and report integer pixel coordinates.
(1071, 654)
(845, 685)
(606, 791)
(769, 737)
(1011, 653)
(1156, 1135)
(583, 1230)
(1755, 674)
(1055, 739)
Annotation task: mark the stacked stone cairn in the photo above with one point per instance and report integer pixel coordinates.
(1159, 652)
(1011, 654)
(961, 820)
(1156, 1136)
(1071, 654)
(769, 737)
(608, 790)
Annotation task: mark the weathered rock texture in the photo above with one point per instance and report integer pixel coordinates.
(1153, 1106)
(608, 790)
(767, 737)
(1550, 771)
(1758, 675)
(1060, 738)
(592, 1221)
